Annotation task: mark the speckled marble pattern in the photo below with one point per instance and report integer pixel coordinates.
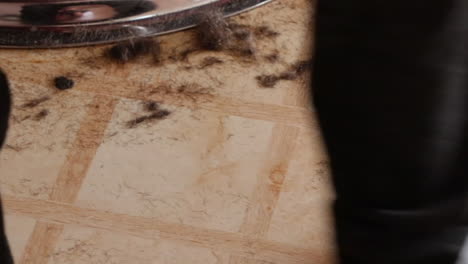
(236, 174)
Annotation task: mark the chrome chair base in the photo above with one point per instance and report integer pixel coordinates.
(68, 23)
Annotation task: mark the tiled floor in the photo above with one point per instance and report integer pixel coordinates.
(236, 174)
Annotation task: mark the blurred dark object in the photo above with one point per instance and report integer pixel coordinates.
(391, 91)
(5, 106)
(63, 83)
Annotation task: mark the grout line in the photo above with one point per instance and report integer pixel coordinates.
(269, 182)
(44, 238)
(38, 253)
(245, 260)
(88, 140)
(282, 114)
(154, 229)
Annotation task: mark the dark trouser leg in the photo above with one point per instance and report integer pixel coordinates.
(390, 87)
(5, 104)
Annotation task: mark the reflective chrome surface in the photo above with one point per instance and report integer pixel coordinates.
(61, 23)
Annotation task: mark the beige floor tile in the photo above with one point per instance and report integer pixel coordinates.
(196, 167)
(89, 246)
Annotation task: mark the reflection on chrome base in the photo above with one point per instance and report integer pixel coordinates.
(62, 23)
